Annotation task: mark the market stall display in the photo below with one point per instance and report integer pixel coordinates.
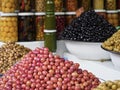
(42, 70)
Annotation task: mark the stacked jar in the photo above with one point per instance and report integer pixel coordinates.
(26, 27)
(8, 27)
(58, 5)
(50, 26)
(8, 21)
(71, 5)
(39, 22)
(40, 5)
(60, 22)
(26, 20)
(112, 17)
(0, 5)
(86, 4)
(26, 5)
(111, 4)
(8, 6)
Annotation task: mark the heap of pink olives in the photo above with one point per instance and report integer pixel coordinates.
(41, 70)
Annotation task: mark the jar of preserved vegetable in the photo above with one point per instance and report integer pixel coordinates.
(39, 26)
(26, 5)
(0, 5)
(86, 4)
(26, 27)
(50, 40)
(60, 22)
(58, 5)
(112, 17)
(50, 21)
(69, 16)
(102, 13)
(71, 5)
(8, 27)
(40, 5)
(8, 6)
(98, 4)
(118, 4)
(119, 16)
(110, 4)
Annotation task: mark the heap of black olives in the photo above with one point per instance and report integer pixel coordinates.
(88, 27)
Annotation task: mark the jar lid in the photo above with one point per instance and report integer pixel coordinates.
(70, 13)
(112, 11)
(59, 13)
(40, 13)
(25, 14)
(8, 14)
(100, 10)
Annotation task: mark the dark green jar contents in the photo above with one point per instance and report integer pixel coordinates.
(50, 22)
(50, 41)
(49, 6)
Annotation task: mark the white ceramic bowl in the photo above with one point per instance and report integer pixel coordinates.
(87, 50)
(115, 60)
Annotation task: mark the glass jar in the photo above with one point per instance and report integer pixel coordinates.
(98, 4)
(39, 26)
(26, 27)
(102, 13)
(40, 5)
(26, 5)
(8, 27)
(69, 17)
(8, 6)
(119, 16)
(50, 40)
(50, 22)
(58, 5)
(71, 5)
(0, 5)
(118, 4)
(112, 17)
(60, 22)
(86, 4)
(110, 4)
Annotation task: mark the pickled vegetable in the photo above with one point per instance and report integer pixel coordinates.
(26, 27)
(50, 40)
(58, 5)
(39, 26)
(71, 5)
(8, 6)
(111, 4)
(40, 5)
(9, 28)
(98, 4)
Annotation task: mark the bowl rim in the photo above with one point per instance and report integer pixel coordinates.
(111, 51)
(80, 41)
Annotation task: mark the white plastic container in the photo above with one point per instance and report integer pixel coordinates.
(87, 50)
(115, 60)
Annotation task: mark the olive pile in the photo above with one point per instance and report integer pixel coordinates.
(41, 70)
(113, 43)
(109, 85)
(10, 53)
(89, 27)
